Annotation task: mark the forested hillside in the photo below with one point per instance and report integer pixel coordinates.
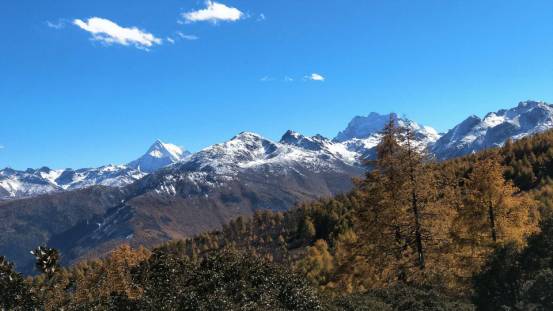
(415, 234)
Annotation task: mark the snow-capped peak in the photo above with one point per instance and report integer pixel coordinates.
(363, 134)
(160, 150)
(363, 127)
(369, 127)
(159, 155)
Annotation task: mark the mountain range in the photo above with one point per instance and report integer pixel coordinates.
(354, 143)
(31, 182)
(169, 193)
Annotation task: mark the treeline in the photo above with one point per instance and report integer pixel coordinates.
(414, 234)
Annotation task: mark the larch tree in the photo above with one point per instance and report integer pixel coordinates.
(401, 220)
(493, 212)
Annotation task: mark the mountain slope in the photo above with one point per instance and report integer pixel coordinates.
(27, 223)
(202, 192)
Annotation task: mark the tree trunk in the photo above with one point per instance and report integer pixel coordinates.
(414, 203)
(418, 235)
(491, 215)
(401, 275)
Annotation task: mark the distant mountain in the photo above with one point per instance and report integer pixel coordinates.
(474, 134)
(159, 155)
(31, 182)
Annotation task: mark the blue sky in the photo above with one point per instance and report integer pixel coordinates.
(86, 83)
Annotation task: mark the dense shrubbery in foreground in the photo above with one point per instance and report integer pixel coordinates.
(412, 235)
(224, 280)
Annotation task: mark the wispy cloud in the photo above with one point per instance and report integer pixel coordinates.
(214, 12)
(261, 17)
(108, 32)
(179, 36)
(56, 25)
(310, 77)
(187, 37)
(266, 79)
(315, 77)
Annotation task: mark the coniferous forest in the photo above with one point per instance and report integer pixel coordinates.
(471, 233)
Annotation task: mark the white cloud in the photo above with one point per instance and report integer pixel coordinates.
(261, 17)
(56, 25)
(109, 32)
(288, 79)
(214, 12)
(315, 77)
(170, 40)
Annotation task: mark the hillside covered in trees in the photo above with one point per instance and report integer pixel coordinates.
(415, 234)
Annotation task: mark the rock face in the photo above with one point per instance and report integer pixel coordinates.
(494, 129)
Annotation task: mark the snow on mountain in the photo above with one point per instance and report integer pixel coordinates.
(249, 154)
(108, 175)
(25, 183)
(361, 127)
(159, 155)
(474, 134)
(16, 184)
(363, 133)
(245, 153)
(32, 182)
(250, 150)
(320, 143)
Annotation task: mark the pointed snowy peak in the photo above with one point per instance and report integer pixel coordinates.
(159, 155)
(160, 149)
